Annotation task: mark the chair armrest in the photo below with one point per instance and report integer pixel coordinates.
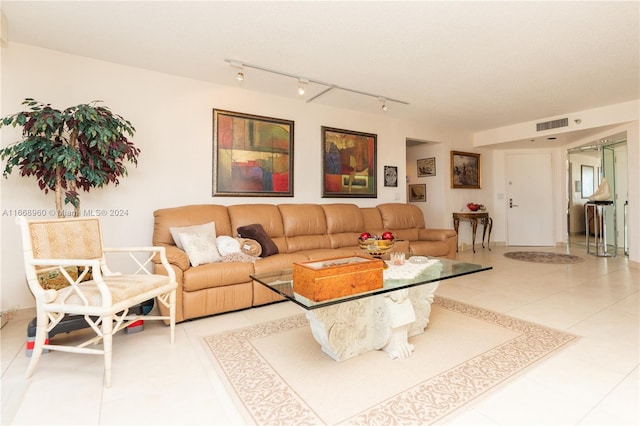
(436, 234)
(153, 258)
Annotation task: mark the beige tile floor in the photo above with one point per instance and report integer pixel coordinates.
(592, 382)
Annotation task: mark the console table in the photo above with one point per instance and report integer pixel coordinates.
(474, 218)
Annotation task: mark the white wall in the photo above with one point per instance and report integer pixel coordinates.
(442, 200)
(173, 118)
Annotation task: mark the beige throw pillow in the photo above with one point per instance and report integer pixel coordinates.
(200, 247)
(195, 229)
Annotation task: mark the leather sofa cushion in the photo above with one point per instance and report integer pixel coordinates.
(267, 215)
(189, 216)
(305, 227)
(430, 248)
(216, 275)
(401, 216)
(406, 234)
(372, 219)
(343, 218)
(303, 219)
(345, 239)
(344, 224)
(278, 262)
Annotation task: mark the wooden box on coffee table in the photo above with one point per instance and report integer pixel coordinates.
(325, 279)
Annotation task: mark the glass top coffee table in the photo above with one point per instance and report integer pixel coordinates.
(383, 318)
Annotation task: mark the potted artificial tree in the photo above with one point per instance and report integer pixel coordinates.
(82, 147)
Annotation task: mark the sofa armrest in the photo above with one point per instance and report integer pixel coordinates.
(436, 234)
(176, 257)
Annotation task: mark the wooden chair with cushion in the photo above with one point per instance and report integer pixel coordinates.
(105, 299)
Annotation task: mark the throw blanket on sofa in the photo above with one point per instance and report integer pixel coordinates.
(238, 257)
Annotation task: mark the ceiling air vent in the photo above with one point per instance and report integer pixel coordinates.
(554, 124)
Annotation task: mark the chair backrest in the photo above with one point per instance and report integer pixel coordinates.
(74, 238)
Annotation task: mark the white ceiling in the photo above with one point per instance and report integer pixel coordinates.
(473, 65)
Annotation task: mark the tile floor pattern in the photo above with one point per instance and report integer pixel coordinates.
(594, 381)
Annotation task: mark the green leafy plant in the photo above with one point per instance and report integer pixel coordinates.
(82, 147)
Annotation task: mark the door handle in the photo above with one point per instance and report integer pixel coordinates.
(511, 205)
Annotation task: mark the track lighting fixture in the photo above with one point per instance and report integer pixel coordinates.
(240, 73)
(302, 81)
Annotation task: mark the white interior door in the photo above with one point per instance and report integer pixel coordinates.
(530, 204)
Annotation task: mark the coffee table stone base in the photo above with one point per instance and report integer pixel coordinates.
(382, 322)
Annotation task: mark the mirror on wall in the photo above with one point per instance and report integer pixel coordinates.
(587, 182)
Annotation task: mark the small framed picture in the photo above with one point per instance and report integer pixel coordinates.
(418, 192)
(427, 167)
(390, 176)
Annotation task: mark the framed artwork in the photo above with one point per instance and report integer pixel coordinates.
(427, 167)
(390, 176)
(588, 181)
(252, 155)
(348, 164)
(417, 192)
(465, 170)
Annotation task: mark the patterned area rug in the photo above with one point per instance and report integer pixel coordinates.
(543, 257)
(278, 374)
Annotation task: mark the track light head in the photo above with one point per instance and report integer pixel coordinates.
(301, 84)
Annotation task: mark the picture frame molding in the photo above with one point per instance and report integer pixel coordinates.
(426, 167)
(389, 173)
(221, 185)
(365, 186)
(458, 159)
(417, 196)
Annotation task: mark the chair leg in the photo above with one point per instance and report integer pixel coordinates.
(107, 342)
(38, 345)
(172, 315)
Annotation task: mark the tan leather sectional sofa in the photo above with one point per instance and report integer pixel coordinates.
(301, 232)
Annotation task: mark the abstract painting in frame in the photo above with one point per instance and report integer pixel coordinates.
(465, 170)
(252, 155)
(348, 164)
(427, 167)
(417, 192)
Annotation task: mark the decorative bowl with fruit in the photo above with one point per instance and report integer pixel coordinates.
(376, 245)
(475, 207)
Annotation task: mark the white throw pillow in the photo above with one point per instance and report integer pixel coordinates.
(196, 229)
(227, 245)
(200, 247)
